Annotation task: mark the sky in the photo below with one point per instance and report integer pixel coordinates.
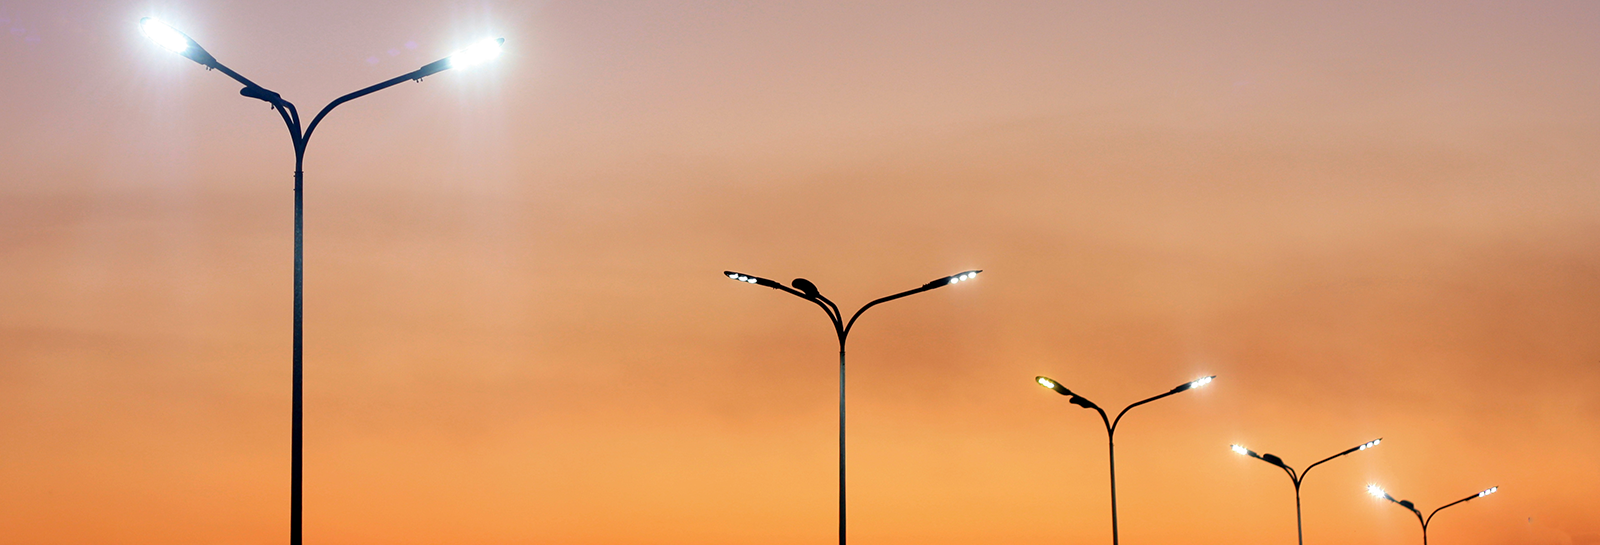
(1368, 219)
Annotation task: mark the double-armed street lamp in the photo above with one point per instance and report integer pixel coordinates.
(1378, 492)
(177, 42)
(1297, 478)
(804, 289)
(1111, 426)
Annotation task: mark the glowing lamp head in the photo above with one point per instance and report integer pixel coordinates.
(748, 279)
(1053, 385)
(1240, 450)
(165, 36)
(1491, 490)
(1377, 491)
(1202, 381)
(954, 279)
(1369, 444)
(478, 53)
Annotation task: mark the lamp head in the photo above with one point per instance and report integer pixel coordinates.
(1197, 383)
(1272, 459)
(476, 54)
(759, 281)
(1053, 385)
(954, 279)
(1240, 450)
(1491, 490)
(1378, 492)
(172, 40)
(1370, 444)
(484, 51)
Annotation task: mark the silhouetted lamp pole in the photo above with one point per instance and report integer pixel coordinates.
(804, 289)
(1378, 492)
(177, 42)
(1297, 478)
(1111, 426)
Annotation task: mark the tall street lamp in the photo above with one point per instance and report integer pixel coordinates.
(177, 42)
(1111, 426)
(1378, 492)
(1297, 478)
(804, 289)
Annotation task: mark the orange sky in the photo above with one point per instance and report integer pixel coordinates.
(1370, 219)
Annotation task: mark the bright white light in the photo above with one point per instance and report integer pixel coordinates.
(750, 280)
(1199, 383)
(1370, 444)
(1376, 491)
(733, 276)
(954, 280)
(1489, 491)
(163, 35)
(477, 54)
(1241, 450)
(1047, 383)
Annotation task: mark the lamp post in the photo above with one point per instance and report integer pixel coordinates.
(1378, 492)
(1111, 426)
(804, 289)
(1297, 478)
(177, 42)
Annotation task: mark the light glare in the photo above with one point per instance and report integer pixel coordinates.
(1241, 450)
(163, 35)
(1201, 382)
(1047, 383)
(1491, 490)
(477, 54)
(1376, 491)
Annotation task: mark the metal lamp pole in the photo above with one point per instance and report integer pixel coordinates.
(1111, 427)
(177, 42)
(804, 289)
(1378, 492)
(1297, 478)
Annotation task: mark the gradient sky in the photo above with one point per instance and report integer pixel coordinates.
(1370, 219)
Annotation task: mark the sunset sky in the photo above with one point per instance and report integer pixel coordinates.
(1367, 218)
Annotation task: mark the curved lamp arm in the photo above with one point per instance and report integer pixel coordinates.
(1489, 491)
(1360, 447)
(936, 283)
(1179, 389)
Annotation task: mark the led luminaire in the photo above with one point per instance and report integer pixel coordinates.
(163, 35)
(479, 53)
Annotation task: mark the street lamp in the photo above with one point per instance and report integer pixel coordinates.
(804, 289)
(177, 42)
(1378, 492)
(1297, 478)
(1111, 426)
